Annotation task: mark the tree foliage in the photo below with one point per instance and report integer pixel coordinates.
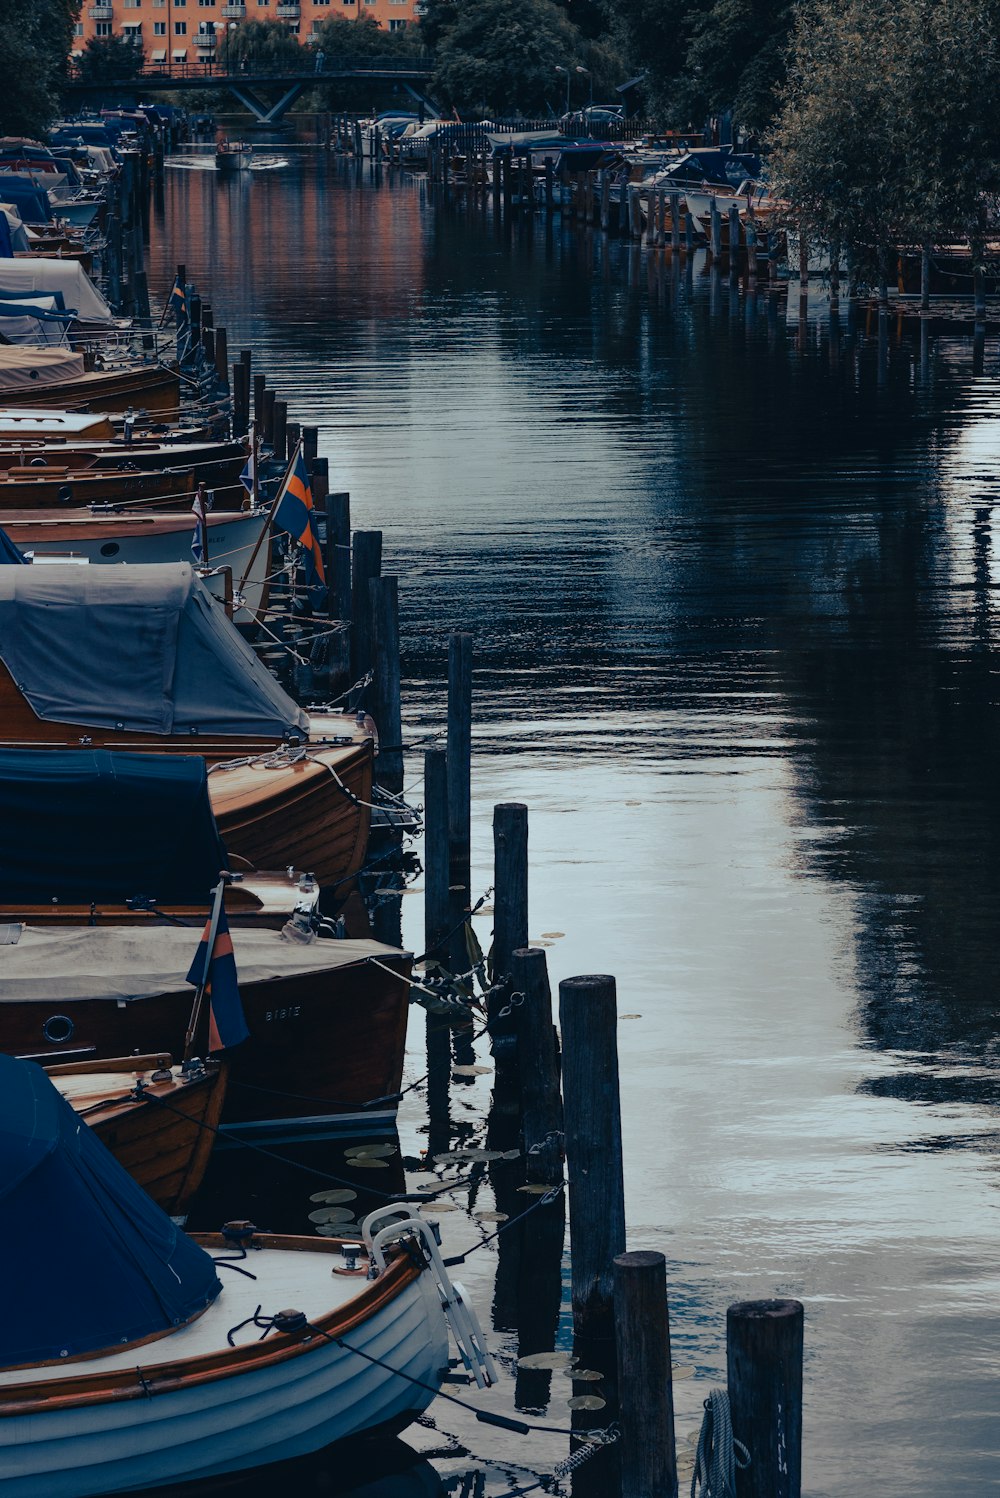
(890, 121)
(35, 41)
(110, 59)
(500, 56)
(260, 45)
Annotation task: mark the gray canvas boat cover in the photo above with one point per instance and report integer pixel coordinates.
(141, 649)
(125, 964)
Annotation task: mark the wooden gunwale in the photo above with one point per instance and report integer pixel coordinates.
(80, 1390)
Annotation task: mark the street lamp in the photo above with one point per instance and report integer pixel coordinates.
(568, 78)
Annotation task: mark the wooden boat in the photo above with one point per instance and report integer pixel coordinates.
(233, 157)
(297, 794)
(150, 1366)
(55, 377)
(55, 486)
(157, 1121)
(106, 536)
(218, 464)
(327, 1019)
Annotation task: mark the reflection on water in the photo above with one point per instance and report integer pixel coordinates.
(732, 578)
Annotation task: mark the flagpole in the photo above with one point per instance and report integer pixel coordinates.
(255, 456)
(213, 930)
(203, 522)
(270, 515)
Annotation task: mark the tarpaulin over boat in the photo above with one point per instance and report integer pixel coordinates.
(35, 273)
(84, 825)
(125, 964)
(10, 555)
(90, 1262)
(27, 368)
(145, 649)
(31, 202)
(15, 227)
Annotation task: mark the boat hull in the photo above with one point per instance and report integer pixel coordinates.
(189, 1426)
(149, 388)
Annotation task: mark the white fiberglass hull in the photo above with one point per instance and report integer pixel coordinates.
(229, 1424)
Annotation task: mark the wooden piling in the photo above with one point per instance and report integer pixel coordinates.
(734, 240)
(688, 230)
(764, 1362)
(645, 1385)
(803, 262)
(222, 357)
(925, 276)
(537, 1068)
(436, 917)
(460, 757)
(605, 198)
(366, 564)
(259, 386)
(383, 593)
(675, 221)
(292, 433)
(267, 418)
(550, 185)
(715, 230)
(319, 482)
(310, 443)
(588, 1022)
(279, 428)
(338, 555)
(510, 920)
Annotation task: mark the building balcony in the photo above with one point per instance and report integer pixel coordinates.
(234, 12)
(287, 12)
(205, 41)
(101, 12)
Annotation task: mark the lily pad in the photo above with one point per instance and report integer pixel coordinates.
(335, 1198)
(533, 1188)
(677, 1373)
(337, 1230)
(553, 935)
(332, 1214)
(583, 1375)
(479, 1156)
(370, 1151)
(492, 1216)
(587, 1402)
(362, 1162)
(472, 1071)
(545, 1360)
(511, 1155)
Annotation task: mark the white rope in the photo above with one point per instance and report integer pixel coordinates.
(719, 1452)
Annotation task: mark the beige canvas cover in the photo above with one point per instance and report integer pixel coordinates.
(124, 964)
(25, 367)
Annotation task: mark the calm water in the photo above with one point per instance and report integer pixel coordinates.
(733, 585)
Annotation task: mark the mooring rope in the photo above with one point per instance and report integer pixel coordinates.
(719, 1453)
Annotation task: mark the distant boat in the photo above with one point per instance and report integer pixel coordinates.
(231, 157)
(157, 1362)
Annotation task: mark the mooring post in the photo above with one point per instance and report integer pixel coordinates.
(267, 418)
(835, 275)
(803, 262)
(383, 594)
(310, 443)
(734, 241)
(279, 429)
(764, 1365)
(259, 386)
(366, 564)
(319, 482)
(650, 197)
(222, 357)
(292, 433)
(588, 1022)
(688, 230)
(338, 555)
(510, 919)
(605, 198)
(460, 757)
(751, 232)
(550, 185)
(645, 1383)
(925, 276)
(675, 221)
(715, 230)
(436, 913)
(538, 1068)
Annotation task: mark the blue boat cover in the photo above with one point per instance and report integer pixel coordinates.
(31, 202)
(10, 556)
(84, 825)
(91, 1263)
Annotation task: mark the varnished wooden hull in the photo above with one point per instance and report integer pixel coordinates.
(270, 816)
(43, 489)
(147, 387)
(311, 814)
(164, 1148)
(321, 1046)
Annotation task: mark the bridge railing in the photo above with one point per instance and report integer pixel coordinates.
(250, 69)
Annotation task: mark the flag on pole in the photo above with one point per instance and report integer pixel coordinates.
(198, 511)
(215, 972)
(249, 470)
(294, 513)
(178, 298)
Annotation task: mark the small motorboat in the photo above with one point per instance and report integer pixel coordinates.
(233, 156)
(136, 1356)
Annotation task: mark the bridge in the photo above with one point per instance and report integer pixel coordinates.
(285, 85)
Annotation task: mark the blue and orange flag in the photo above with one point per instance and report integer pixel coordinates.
(227, 1024)
(294, 513)
(178, 299)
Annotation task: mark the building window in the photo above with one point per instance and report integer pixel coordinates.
(321, 2)
(159, 28)
(134, 33)
(103, 28)
(180, 28)
(78, 29)
(397, 25)
(131, 4)
(205, 4)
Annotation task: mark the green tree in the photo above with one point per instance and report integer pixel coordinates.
(342, 40)
(260, 45)
(110, 59)
(502, 55)
(890, 127)
(35, 41)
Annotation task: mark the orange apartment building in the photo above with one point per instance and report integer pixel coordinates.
(193, 31)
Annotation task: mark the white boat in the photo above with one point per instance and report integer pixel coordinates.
(146, 1370)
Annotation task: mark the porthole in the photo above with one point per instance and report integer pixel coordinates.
(110, 549)
(58, 1028)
